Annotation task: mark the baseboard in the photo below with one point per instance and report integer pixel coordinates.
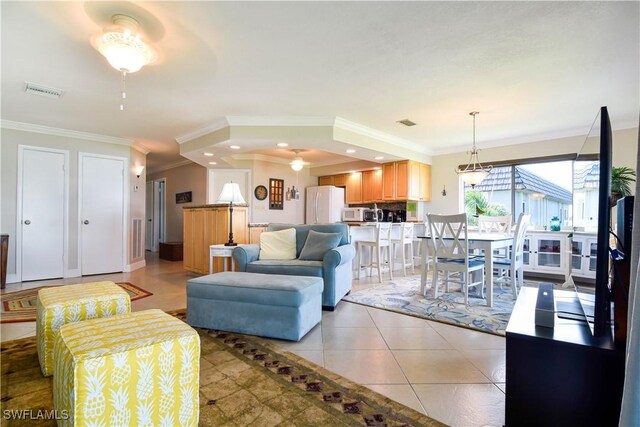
(72, 273)
(135, 266)
(12, 278)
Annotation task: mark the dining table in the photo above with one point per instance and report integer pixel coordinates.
(487, 242)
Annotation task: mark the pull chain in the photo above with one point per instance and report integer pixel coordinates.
(124, 89)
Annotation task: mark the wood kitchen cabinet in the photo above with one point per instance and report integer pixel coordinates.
(326, 180)
(406, 180)
(337, 180)
(209, 225)
(340, 180)
(425, 182)
(372, 186)
(389, 181)
(353, 192)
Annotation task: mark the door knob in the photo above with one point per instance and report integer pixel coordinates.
(27, 222)
(85, 222)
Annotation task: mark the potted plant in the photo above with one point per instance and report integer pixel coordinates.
(621, 179)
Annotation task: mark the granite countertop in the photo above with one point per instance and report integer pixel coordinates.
(216, 205)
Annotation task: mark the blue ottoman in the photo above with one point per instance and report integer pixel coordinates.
(268, 305)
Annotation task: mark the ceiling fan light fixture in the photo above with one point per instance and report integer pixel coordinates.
(297, 164)
(474, 172)
(123, 46)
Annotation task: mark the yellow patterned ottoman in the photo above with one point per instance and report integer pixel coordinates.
(59, 305)
(135, 369)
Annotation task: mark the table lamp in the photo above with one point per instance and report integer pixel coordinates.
(231, 194)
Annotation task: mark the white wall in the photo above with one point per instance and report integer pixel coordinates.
(625, 147)
(9, 165)
(218, 177)
(294, 210)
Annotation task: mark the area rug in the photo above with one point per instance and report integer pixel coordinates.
(402, 295)
(244, 381)
(20, 306)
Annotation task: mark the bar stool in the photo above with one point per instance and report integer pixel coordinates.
(382, 240)
(405, 240)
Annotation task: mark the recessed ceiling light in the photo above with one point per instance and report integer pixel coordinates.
(282, 144)
(234, 147)
(212, 163)
(208, 154)
(351, 151)
(378, 157)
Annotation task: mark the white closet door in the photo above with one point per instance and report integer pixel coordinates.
(102, 214)
(43, 214)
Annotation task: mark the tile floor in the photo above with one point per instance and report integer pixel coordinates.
(452, 374)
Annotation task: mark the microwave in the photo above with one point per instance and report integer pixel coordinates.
(353, 214)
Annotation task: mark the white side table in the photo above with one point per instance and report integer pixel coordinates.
(221, 251)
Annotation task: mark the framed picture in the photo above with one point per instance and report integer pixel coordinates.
(276, 193)
(183, 197)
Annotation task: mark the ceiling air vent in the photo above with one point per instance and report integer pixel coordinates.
(49, 92)
(406, 122)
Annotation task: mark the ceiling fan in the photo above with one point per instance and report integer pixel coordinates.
(298, 163)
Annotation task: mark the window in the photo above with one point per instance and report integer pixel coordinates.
(543, 190)
(492, 197)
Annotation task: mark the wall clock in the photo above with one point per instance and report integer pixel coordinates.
(260, 192)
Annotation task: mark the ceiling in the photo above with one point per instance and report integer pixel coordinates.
(534, 70)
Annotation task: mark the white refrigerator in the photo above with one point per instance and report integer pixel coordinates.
(324, 204)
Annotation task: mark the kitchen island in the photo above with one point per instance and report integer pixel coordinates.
(207, 225)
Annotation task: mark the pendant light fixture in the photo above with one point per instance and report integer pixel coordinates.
(124, 48)
(474, 172)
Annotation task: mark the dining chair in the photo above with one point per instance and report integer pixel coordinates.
(511, 269)
(405, 240)
(495, 224)
(380, 242)
(417, 257)
(451, 253)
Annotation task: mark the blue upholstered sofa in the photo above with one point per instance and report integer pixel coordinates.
(335, 268)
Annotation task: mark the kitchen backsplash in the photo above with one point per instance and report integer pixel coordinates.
(391, 206)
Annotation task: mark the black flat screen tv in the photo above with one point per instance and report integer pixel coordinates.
(597, 306)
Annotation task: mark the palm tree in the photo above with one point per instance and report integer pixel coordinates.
(621, 179)
(476, 204)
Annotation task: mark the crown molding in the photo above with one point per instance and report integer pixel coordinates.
(280, 120)
(171, 166)
(48, 130)
(141, 148)
(217, 124)
(379, 135)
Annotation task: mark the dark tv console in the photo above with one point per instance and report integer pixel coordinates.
(559, 376)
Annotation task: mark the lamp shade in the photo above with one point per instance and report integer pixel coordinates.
(473, 177)
(231, 194)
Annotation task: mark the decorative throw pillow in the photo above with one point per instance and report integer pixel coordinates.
(278, 244)
(318, 244)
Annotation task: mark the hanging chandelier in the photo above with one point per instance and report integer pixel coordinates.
(474, 172)
(124, 48)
